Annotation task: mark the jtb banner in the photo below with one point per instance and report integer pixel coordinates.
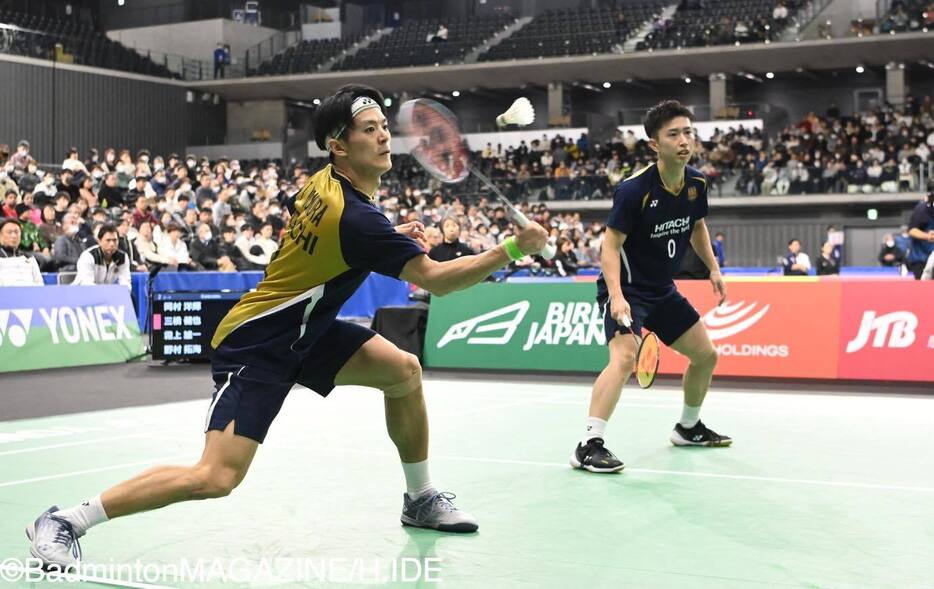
(55, 326)
(791, 329)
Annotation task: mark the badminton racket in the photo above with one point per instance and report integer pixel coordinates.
(648, 355)
(435, 141)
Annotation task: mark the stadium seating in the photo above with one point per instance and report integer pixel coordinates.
(718, 22)
(307, 56)
(37, 37)
(575, 32)
(410, 45)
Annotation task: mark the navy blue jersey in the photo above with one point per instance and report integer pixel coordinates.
(658, 226)
(335, 238)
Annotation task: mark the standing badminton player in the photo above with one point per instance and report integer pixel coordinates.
(286, 332)
(657, 213)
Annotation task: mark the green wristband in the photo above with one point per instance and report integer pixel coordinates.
(512, 248)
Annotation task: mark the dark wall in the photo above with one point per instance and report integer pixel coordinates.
(56, 108)
(138, 13)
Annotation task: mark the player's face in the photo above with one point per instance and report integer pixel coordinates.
(675, 141)
(368, 143)
(108, 242)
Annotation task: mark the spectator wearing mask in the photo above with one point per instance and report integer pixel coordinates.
(20, 159)
(451, 248)
(104, 263)
(203, 249)
(16, 267)
(826, 262)
(890, 254)
(68, 247)
(921, 232)
(795, 262)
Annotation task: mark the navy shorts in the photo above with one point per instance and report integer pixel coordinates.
(250, 393)
(669, 315)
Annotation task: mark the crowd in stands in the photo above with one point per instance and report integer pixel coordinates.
(908, 15)
(193, 214)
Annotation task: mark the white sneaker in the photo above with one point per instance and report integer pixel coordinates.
(54, 541)
(434, 510)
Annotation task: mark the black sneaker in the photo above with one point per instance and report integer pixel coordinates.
(594, 457)
(699, 435)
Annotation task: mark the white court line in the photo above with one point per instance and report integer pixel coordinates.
(647, 471)
(82, 442)
(73, 577)
(92, 470)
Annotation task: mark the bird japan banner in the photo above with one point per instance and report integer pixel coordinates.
(786, 328)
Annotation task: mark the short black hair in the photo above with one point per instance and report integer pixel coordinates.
(334, 110)
(793, 239)
(663, 112)
(4, 221)
(106, 228)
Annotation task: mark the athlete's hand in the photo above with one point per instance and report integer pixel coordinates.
(415, 230)
(531, 238)
(719, 287)
(619, 309)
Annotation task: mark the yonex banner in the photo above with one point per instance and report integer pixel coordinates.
(808, 328)
(55, 326)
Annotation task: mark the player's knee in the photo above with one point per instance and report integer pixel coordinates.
(407, 377)
(625, 363)
(706, 358)
(214, 482)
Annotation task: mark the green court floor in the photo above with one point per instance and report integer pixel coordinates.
(818, 490)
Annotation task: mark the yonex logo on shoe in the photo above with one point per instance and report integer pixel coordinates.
(14, 326)
(698, 437)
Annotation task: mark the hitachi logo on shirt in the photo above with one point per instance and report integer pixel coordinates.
(681, 223)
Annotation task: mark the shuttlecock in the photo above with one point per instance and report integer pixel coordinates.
(520, 113)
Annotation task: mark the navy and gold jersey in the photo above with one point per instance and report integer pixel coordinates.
(334, 239)
(658, 226)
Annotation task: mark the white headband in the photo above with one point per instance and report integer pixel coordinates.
(360, 104)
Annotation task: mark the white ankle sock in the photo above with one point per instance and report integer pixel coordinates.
(417, 480)
(595, 429)
(689, 416)
(84, 516)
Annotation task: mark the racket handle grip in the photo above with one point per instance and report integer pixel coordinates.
(549, 251)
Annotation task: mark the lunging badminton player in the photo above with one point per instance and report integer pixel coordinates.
(657, 214)
(286, 332)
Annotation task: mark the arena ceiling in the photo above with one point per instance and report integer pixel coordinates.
(813, 56)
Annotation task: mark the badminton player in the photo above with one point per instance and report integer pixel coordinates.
(286, 332)
(657, 214)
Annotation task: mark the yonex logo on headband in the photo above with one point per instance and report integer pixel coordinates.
(360, 104)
